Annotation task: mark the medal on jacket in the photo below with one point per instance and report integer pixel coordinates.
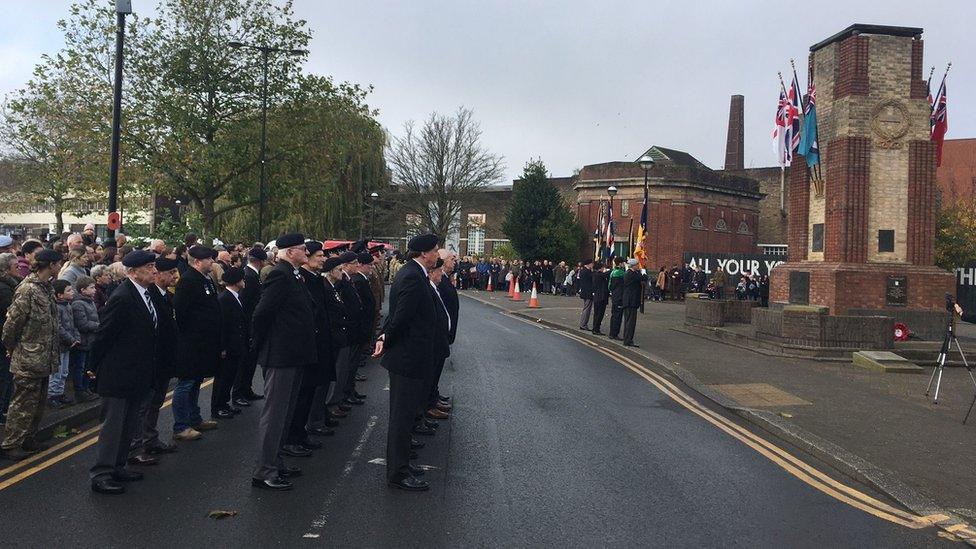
(206, 288)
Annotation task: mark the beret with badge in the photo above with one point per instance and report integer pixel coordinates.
(138, 258)
(422, 243)
(289, 240)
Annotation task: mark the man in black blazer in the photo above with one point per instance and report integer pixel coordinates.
(406, 344)
(601, 295)
(584, 281)
(616, 298)
(198, 321)
(282, 326)
(125, 353)
(233, 343)
(449, 296)
(442, 343)
(633, 295)
(243, 393)
(367, 298)
(345, 392)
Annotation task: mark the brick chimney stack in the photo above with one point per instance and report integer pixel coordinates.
(734, 152)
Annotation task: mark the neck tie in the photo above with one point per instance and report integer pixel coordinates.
(152, 310)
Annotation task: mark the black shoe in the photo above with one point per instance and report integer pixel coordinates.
(295, 450)
(360, 377)
(360, 396)
(223, 414)
(142, 459)
(276, 483)
(343, 407)
(321, 431)
(416, 471)
(235, 409)
(241, 401)
(432, 424)
(126, 476)
(410, 484)
(443, 398)
(423, 430)
(290, 471)
(414, 455)
(161, 448)
(353, 401)
(18, 454)
(416, 444)
(331, 422)
(310, 444)
(584, 328)
(105, 485)
(614, 338)
(631, 345)
(598, 333)
(254, 396)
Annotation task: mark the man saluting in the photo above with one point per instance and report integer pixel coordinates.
(406, 344)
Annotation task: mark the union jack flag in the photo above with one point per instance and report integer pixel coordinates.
(939, 121)
(608, 254)
(783, 155)
(793, 116)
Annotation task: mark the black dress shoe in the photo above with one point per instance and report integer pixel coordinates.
(360, 396)
(432, 424)
(353, 401)
(310, 444)
(414, 455)
(598, 333)
(254, 396)
(295, 450)
(631, 345)
(321, 431)
(290, 471)
(162, 448)
(615, 338)
(343, 407)
(360, 377)
(416, 471)
(423, 430)
(241, 401)
(105, 485)
(126, 476)
(443, 398)
(416, 444)
(276, 483)
(224, 414)
(235, 410)
(331, 422)
(142, 459)
(411, 484)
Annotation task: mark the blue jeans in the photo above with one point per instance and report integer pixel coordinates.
(56, 386)
(77, 362)
(186, 404)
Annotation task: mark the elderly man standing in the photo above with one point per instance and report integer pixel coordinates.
(633, 288)
(585, 283)
(281, 329)
(243, 392)
(198, 324)
(30, 335)
(407, 347)
(125, 354)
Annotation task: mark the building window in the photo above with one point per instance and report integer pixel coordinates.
(697, 223)
(476, 234)
(886, 240)
(625, 208)
(721, 225)
(818, 238)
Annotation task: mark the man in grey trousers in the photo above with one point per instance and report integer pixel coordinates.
(282, 330)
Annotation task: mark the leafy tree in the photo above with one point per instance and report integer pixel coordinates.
(438, 169)
(538, 223)
(955, 235)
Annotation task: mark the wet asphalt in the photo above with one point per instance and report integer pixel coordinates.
(551, 444)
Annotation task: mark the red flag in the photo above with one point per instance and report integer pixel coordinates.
(940, 121)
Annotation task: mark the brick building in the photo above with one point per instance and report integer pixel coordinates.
(691, 208)
(957, 174)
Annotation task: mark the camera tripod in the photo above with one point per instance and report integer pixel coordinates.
(950, 338)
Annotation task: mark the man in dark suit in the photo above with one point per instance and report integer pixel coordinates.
(367, 298)
(442, 342)
(406, 344)
(449, 296)
(283, 323)
(356, 313)
(124, 353)
(233, 341)
(601, 295)
(321, 418)
(633, 295)
(616, 297)
(198, 321)
(584, 281)
(243, 393)
(150, 444)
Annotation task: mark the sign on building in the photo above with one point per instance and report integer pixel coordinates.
(734, 264)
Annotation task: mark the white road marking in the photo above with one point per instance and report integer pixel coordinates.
(333, 494)
(506, 328)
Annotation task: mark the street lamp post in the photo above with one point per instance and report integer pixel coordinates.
(122, 8)
(372, 212)
(611, 192)
(646, 162)
(265, 51)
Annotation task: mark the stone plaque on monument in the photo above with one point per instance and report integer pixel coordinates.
(799, 288)
(896, 291)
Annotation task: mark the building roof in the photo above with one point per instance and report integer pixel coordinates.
(861, 28)
(673, 157)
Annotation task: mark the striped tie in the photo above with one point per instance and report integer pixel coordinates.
(152, 310)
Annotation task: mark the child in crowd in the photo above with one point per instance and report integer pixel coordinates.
(85, 316)
(69, 338)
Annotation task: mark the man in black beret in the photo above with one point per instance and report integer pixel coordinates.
(198, 322)
(406, 344)
(345, 395)
(585, 284)
(232, 343)
(283, 319)
(364, 289)
(167, 272)
(125, 353)
(321, 418)
(243, 392)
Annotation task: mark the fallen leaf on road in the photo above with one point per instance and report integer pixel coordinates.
(221, 514)
(786, 415)
(60, 432)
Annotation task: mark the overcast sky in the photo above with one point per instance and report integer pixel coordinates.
(574, 82)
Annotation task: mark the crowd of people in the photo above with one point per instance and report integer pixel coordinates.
(83, 319)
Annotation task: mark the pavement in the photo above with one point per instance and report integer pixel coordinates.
(554, 442)
(878, 428)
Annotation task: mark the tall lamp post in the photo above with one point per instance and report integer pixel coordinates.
(611, 192)
(372, 212)
(122, 8)
(265, 51)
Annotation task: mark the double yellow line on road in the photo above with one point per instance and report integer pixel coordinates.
(791, 464)
(59, 452)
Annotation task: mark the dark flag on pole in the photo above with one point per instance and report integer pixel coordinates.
(939, 120)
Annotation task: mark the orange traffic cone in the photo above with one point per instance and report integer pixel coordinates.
(511, 288)
(533, 298)
(517, 296)
(490, 289)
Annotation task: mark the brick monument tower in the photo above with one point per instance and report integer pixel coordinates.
(861, 235)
